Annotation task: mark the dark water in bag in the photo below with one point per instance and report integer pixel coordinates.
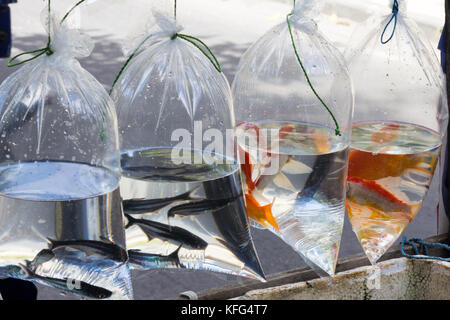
(186, 216)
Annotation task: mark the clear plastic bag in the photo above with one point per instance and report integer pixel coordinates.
(61, 219)
(400, 119)
(294, 162)
(183, 198)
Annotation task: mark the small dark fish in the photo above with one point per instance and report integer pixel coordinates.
(170, 178)
(178, 173)
(165, 232)
(155, 261)
(146, 206)
(319, 172)
(12, 271)
(199, 207)
(79, 287)
(151, 170)
(18, 272)
(90, 247)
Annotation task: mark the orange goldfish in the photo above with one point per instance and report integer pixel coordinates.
(367, 165)
(386, 134)
(261, 214)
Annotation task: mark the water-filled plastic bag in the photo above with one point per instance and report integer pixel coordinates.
(60, 208)
(400, 119)
(182, 189)
(294, 162)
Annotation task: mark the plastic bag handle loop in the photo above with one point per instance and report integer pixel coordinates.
(41, 52)
(393, 18)
(197, 43)
(70, 11)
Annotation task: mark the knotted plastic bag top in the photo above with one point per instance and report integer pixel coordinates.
(54, 111)
(67, 41)
(307, 9)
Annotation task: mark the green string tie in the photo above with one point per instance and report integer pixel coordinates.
(47, 50)
(337, 131)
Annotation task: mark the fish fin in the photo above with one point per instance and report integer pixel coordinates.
(44, 256)
(175, 253)
(131, 220)
(296, 167)
(188, 195)
(51, 243)
(283, 182)
(28, 273)
(269, 217)
(262, 222)
(247, 169)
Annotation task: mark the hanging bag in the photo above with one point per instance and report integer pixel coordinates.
(61, 220)
(400, 119)
(293, 105)
(182, 191)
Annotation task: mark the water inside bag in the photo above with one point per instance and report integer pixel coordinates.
(295, 185)
(45, 207)
(186, 215)
(390, 171)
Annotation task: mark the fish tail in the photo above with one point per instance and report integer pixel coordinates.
(131, 220)
(187, 195)
(28, 273)
(270, 218)
(51, 243)
(174, 254)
